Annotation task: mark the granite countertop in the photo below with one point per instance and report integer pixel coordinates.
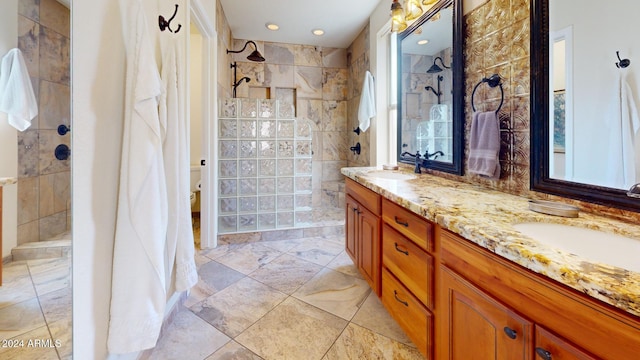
(486, 216)
(7, 181)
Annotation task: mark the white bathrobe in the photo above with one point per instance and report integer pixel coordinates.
(624, 124)
(180, 245)
(17, 99)
(138, 289)
(367, 106)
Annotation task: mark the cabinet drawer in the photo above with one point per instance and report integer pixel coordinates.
(409, 263)
(412, 316)
(364, 196)
(417, 229)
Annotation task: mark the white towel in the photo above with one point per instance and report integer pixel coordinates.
(17, 99)
(624, 125)
(138, 284)
(367, 108)
(180, 252)
(484, 145)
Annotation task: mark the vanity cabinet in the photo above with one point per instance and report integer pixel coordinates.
(492, 308)
(408, 273)
(362, 227)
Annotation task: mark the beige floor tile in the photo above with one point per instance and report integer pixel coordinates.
(16, 284)
(20, 318)
(233, 351)
(335, 292)
(286, 273)
(293, 330)
(212, 277)
(33, 345)
(248, 258)
(235, 308)
(50, 274)
(61, 331)
(357, 343)
(56, 305)
(188, 337)
(344, 264)
(317, 250)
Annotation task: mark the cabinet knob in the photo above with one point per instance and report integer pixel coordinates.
(544, 354)
(406, 252)
(512, 334)
(395, 294)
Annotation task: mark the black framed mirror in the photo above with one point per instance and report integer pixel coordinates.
(431, 89)
(574, 74)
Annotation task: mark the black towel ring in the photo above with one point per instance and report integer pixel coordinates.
(493, 81)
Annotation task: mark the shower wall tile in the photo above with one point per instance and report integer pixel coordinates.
(334, 144)
(27, 199)
(54, 56)
(54, 108)
(307, 55)
(334, 58)
(28, 232)
(52, 225)
(279, 53)
(255, 71)
(308, 82)
(54, 191)
(55, 16)
(276, 75)
(29, 44)
(334, 84)
(30, 9)
(49, 140)
(28, 152)
(311, 110)
(331, 170)
(334, 115)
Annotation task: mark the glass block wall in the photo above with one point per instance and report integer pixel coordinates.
(264, 165)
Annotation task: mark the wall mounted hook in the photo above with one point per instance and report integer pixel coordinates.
(166, 24)
(622, 63)
(357, 130)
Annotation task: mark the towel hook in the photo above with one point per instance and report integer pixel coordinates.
(493, 81)
(164, 24)
(623, 63)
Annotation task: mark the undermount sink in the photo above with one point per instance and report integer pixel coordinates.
(391, 175)
(593, 245)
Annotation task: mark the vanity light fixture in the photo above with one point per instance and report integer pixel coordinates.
(254, 56)
(317, 32)
(272, 26)
(413, 10)
(398, 21)
(429, 2)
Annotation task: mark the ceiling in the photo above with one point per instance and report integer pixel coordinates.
(342, 20)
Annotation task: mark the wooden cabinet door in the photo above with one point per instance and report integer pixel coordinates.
(351, 223)
(477, 327)
(368, 242)
(551, 347)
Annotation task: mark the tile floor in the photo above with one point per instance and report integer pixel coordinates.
(291, 294)
(298, 298)
(35, 309)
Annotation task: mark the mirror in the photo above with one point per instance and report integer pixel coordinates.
(578, 147)
(430, 89)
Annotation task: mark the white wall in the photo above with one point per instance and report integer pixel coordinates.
(8, 135)
(98, 77)
(195, 89)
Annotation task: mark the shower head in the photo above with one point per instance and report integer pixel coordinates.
(254, 56)
(435, 68)
(246, 78)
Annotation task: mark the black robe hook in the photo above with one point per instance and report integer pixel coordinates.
(164, 24)
(623, 63)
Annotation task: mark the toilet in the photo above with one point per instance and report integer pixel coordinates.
(195, 188)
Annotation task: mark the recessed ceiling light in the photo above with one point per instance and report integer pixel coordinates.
(318, 32)
(272, 26)
(423, 42)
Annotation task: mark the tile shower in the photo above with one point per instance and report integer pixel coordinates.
(264, 166)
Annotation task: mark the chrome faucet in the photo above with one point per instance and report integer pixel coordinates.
(417, 158)
(634, 191)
